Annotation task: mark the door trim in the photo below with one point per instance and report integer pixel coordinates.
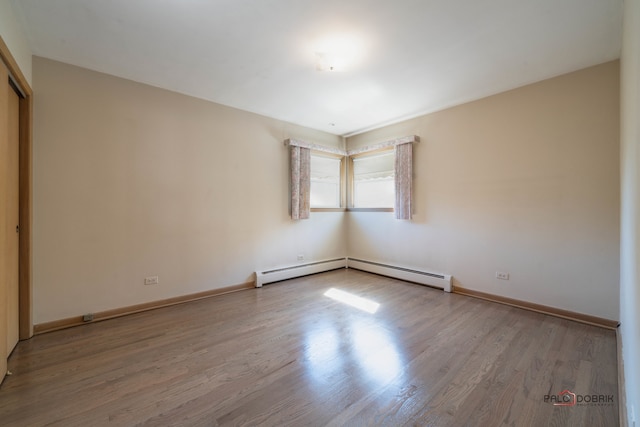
(26, 185)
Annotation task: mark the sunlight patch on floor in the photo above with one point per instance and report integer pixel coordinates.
(353, 300)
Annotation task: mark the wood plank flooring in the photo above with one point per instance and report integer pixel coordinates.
(286, 355)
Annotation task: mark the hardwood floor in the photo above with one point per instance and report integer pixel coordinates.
(287, 355)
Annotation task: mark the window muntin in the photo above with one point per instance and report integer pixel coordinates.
(326, 173)
(373, 180)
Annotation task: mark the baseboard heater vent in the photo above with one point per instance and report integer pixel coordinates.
(437, 280)
(284, 273)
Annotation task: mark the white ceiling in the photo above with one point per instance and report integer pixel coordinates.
(411, 56)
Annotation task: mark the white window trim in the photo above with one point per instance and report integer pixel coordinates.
(352, 180)
(342, 182)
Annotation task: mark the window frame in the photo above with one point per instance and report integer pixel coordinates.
(342, 185)
(351, 180)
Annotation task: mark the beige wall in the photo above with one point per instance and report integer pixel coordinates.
(14, 37)
(133, 181)
(630, 236)
(525, 182)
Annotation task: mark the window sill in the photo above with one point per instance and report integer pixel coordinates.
(352, 210)
(370, 209)
(328, 209)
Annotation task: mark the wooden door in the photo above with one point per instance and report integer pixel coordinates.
(9, 211)
(13, 211)
(4, 154)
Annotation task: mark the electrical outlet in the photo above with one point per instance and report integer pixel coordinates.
(300, 257)
(502, 275)
(151, 280)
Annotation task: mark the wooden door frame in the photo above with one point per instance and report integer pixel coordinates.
(26, 186)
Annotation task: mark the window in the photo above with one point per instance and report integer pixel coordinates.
(325, 175)
(373, 180)
(380, 178)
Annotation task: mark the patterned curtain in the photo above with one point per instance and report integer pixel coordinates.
(300, 182)
(403, 174)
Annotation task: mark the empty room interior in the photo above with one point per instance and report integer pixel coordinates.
(316, 213)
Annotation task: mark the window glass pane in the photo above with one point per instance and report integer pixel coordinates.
(373, 181)
(325, 182)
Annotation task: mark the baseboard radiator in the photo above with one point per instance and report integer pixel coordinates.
(284, 273)
(436, 280)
